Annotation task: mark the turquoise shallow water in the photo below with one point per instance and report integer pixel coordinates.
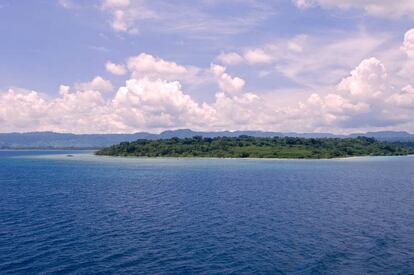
(88, 215)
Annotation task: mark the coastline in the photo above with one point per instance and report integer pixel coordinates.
(218, 158)
(92, 152)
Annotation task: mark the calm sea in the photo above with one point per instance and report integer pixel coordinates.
(85, 214)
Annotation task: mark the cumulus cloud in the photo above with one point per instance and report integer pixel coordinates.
(404, 99)
(257, 56)
(81, 111)
(230, 58)
(64, 89)
(365, 98)
(225, 81)
(408, 45)
(359, 100)
(401, 61)
(96, 84)
(116, 69)
(143, 103)
(368, 80)
(21, 109)
(240, 110)
(115, 4)
(139, 105)
(383, 8)
(158, 104)
(148, 64)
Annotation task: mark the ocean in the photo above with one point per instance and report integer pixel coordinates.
(70, 212)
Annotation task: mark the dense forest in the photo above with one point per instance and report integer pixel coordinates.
(408, 144)
(255, 147)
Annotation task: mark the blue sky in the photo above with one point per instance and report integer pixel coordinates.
(282, 65)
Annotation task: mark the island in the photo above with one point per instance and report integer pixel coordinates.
(257, 147)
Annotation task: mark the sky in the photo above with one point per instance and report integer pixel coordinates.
(124, 66)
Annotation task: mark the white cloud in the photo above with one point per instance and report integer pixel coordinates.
(382, 8)
(110, 4)
(365, 98)
(148, 64)
(324, 61)
(404, 99)
(312, 61)
(257, 56)
(139, 105)
(408, 44)
(21, 109)
(82, 111)
(64, 89)
(230, 58)
(119, 22)
(302, 4)
(116, 69)
(157, 104)
(225, 81)
(368, 80)
(359, 100)
(402, 61)
(142, 104)
(240, 110)
(96, 84)
(194, 18)
(125, 14)
(201, 19)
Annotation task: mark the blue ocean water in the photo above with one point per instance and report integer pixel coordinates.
(86, 215)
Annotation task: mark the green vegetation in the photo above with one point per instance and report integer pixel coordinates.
(408, 144)
(254, 147)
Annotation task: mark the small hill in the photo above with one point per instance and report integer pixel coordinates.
(257, 147)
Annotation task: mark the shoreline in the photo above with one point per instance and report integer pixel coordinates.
(218, 158)
(91, 152)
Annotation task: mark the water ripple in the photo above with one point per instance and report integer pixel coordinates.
(90, 215)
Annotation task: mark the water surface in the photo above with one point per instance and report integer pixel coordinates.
(86, 215)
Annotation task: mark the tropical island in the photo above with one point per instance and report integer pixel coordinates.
(257, 147)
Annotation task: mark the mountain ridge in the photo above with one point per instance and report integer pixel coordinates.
(49, 139)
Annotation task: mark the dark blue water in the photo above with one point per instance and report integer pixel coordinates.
(87, 214)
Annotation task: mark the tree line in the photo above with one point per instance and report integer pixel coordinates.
(257, 147)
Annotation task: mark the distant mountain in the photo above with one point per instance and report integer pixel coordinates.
(182, 133)
(61, 140)
(388, 136)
